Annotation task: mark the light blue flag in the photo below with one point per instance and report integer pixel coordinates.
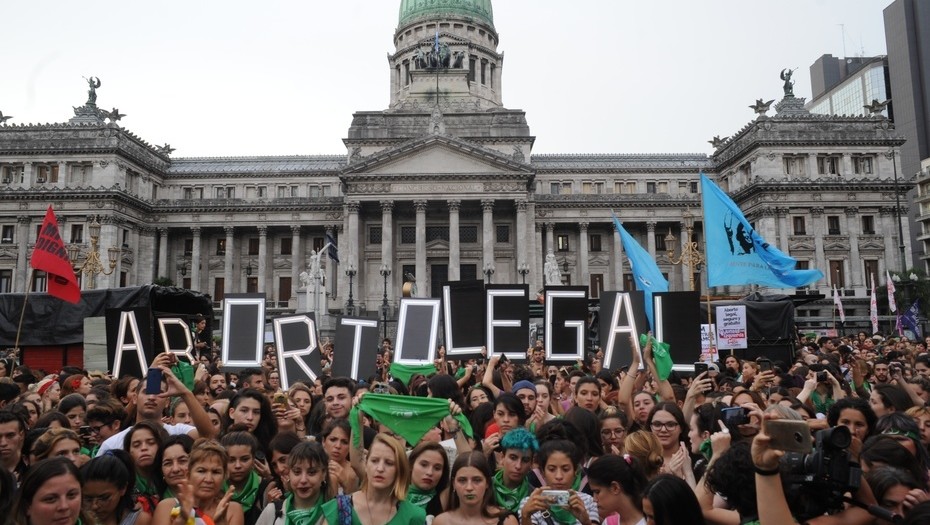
(645, 271)
(736, 254)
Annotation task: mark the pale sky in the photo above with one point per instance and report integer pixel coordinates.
(283, 77)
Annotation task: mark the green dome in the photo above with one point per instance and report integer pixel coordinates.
(479, 10)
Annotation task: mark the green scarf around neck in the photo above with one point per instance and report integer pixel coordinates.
(508, 498)
(245, 495)
(419, 497)
(562, 515)
(409, 417)
(144, 487)
(294, 516)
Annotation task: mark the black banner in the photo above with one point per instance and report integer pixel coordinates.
(130, 341)
(678, 323)
(566, 322)
(243, 331)
(296, 342)
(463, 308)
(417, 331)
(357, 345)
(508, 320)
(622, 319)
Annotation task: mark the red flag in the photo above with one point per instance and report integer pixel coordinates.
(51, 257)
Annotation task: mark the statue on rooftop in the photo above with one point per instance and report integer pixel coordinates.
(93, 83)
(789, 84)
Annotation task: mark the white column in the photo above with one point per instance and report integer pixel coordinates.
(296, 260)
(487, 237)
(817, 230)
(651, 238)
(536, 267)
(228, 259)
(420, 207)
(162, 252)
(855, 264)
(22, 242)
(352, 230)
(523, 238)
(455, 261)
(616, 263)
(532, 250)
(387, 250)
(783, 232)
(262, 262)
(195, 260)
(890, 231)
(585, 279)
(550, 239)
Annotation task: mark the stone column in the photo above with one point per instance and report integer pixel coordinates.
(847, 168)
(262, 259)
(890, 230)
(817, 230)
(550, 239)
(523, 238)
(487, 236)
(296, 260)
(195, 260)
(387, 252)
(532, 251)
(162, 253)
(420, 207)
(455, 261)
(783, 233)
(651, 238)
(616, 263)
(334, 281)
(228, 259)
(352, 231)
(812, 165)
(585, 279)
(536, 268)
(855, 264)
(22, 242)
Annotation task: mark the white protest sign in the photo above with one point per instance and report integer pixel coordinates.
(708, 350)
(731, 327)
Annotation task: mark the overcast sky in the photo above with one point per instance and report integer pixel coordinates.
(235, 77)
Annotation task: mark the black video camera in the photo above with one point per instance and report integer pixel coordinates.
(817, 481)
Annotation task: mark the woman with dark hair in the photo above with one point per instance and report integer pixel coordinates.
(201, 497)
(885, 399)
(588, 394)
(895, 490)
(443, 386)
(471, 499)
(589, 433)
(729, 477)
(125, 390)
(49, 493)
(429, 477)
(107, 490)
(252, 409)
(878, 451)
(477, 395)
(560, 461)
(173, 458)
(241, 449)
(74, 408)
(310, 484)
(27, 410)
(143, 441)
(668, 500)
(545, 401)
(508, 414)
(613, 430)
(617, 485)
(855, 414)
(667, 423)
(336, 436)
(609, 386)
(281, 447)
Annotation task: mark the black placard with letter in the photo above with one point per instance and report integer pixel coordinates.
(357, 345)
(463, 308)
(243, 330)
(566, 322)
(678, 323)
(130, 341)
(417, 331)
(622, 319)
(297, 344)
(508, 320)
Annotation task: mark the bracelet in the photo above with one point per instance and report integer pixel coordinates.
(762, 472)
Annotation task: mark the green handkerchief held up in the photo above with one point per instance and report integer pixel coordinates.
(660, 355)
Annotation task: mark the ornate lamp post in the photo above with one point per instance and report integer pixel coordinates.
(350, 304)
(92, 264)
(488, 272)
(523, 269)
(385, 273)
(690, 255)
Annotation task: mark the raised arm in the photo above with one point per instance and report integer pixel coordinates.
(488, 379)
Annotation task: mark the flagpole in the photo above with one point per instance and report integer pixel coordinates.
(22, 314)
(711, 337)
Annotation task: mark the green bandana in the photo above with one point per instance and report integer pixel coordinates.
(409, 417)
(707, 450)
(245, 496)
(562, 515)
(660, 355)
(145, 488)
(507, 498)
(309, 516)
(185, 372)
(576, 483)
(403, 373)
(418, 496)
(169, 494)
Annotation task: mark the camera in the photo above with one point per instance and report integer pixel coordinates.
(822, 376)
(735, 416)
(817, 481)
(556, 498)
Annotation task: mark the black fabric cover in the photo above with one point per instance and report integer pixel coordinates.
(768, 317)
(49, 321)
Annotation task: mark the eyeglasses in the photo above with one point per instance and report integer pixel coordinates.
(612, 432)
(380, 388)
(95, 429)
(102, 499)
(668, 425)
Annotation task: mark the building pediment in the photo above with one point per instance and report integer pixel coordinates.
(438, 155)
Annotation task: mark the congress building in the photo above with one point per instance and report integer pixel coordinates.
(442, 185)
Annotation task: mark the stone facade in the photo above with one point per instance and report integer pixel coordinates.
(443, 191)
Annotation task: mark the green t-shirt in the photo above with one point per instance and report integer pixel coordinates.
(407, 513)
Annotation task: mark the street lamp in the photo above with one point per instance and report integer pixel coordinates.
(385, 273)
(488, 272)
(690, 255)
(92, 264)
(351, 271)
(248, 269)
(523, 269)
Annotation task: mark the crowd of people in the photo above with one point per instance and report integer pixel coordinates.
(481, 441)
